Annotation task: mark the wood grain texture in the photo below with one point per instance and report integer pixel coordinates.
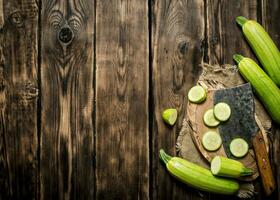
(67, 96)
(133, 85)
(4, 170)
(224, 36)
(122, 159)
(275, 158)
(1, 14)
(270, 16)
(18, 100)
(270, 21)
(178, 49)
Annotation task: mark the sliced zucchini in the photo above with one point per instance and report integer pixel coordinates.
(209, 118)
(222, 111)
(197, 94)
(211, 141)
(170, 116)
(239, 147)
(222, 166)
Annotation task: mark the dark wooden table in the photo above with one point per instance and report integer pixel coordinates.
(83, 84)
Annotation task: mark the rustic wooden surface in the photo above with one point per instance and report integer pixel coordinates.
(122, 82)
(67, 100)
(177, 53)
(83, 84)
(19, 101)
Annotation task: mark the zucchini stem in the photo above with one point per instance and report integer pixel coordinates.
(240, 20)
(247, 172)
(164, 157)
(237, 58)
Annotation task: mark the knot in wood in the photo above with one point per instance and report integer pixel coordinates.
(2, 84)
(65, 35)
(183, 47)
(28, 91)
(17, 19)
(214, 41)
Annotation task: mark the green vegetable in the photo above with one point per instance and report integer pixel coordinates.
(263, 86)
(263, 46)
(222, 166)
(197, 176)
(211, 141)
(197, 94)
(209, 118)
(170, 116)
(238, 147)
(222, 111)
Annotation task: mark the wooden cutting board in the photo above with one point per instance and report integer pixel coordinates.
(195, 114)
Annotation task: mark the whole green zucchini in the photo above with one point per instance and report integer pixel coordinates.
(263, 46)
(263, 86)
(197, 176)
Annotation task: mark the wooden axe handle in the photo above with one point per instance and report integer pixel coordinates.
(265, 170)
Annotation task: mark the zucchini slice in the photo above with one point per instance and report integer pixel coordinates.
(170, 116)
(238, 147)
(197, 94)
(211, 141)
(209, 118)
(222, 111)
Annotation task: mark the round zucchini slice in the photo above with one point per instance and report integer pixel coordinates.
(197, 94)
(238, 147)
(209, 118)
(222, 111)
(211, 141)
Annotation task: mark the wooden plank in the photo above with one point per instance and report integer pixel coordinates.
(224, 36)
(275, 156)
(178, 49)
(67, 151)
(18, 99)
(270, 20)
(122, 147)
(1, 14)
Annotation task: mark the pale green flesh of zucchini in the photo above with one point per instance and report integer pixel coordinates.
(222, 166)
(238, 147)
(209, 118)
(170, 116)
(211, 141)
(222, 111)
(215, 165)
(197, 94)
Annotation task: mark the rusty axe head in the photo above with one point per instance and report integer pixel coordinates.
(242, 121)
